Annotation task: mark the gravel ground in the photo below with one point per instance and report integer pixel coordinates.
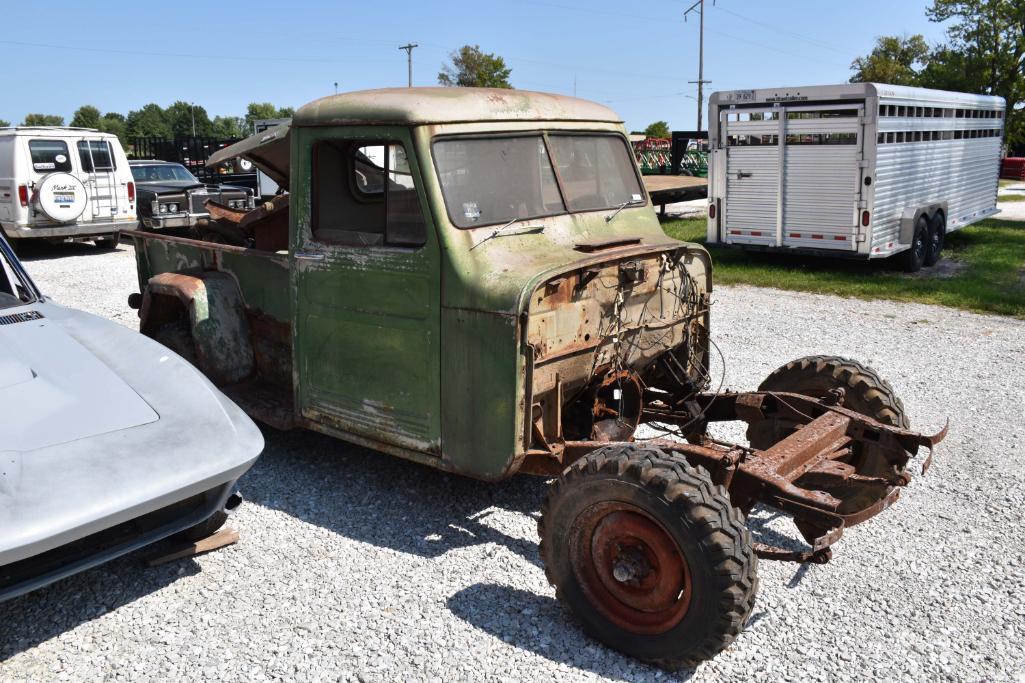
(358, 566)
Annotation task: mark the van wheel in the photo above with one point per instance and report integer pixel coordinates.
(108, 242)
(914, 257)
(937, 235)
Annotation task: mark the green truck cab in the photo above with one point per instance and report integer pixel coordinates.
(476, 280)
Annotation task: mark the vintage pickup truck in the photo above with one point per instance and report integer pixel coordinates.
(476, 280)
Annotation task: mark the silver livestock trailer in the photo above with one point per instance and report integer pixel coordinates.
(861, 170)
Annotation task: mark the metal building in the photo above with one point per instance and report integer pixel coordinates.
(861, 170)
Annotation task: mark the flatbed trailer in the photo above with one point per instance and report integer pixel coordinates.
(669, 189)
(862, 170)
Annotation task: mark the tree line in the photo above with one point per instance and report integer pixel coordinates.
(984, 53)
(179, 120)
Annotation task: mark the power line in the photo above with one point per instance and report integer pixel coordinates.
(821, 44)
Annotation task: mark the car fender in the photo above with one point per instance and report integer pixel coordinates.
(212, 306)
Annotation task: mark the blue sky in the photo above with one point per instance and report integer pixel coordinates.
(221, 54)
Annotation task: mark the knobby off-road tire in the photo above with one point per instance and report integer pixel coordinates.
(650, 556)
(865, 392)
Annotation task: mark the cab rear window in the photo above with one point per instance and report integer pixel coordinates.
(49, 156)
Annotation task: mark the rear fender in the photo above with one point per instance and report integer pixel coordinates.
(910, 217)
(212, 305)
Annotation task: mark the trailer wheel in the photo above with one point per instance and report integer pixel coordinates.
(650, 556)
(865, 392)
(937, 235)
(914, 257)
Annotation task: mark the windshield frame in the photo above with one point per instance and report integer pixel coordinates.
(7, 254)
(173, 165)
(543, 133)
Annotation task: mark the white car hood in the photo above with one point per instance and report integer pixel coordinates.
(53, 390)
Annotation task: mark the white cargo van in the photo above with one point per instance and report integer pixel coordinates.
(64, 184)
(861, 170)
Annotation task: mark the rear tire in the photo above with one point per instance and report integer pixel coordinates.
(650, 556)
(914, 257)
(936, 238)
(108, 242)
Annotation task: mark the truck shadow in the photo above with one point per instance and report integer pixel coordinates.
(386, 501)
(35, 618)
(538, 623)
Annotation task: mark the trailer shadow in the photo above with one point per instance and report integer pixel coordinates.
(36, 617)
(539, 624)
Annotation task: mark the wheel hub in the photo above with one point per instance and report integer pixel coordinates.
(630, 568)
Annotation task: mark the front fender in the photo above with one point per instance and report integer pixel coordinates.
(212, 305)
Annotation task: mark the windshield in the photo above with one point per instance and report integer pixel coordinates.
(162, 172)
(14, 289)
(488, 181)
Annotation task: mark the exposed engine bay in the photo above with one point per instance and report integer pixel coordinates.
(603, 335)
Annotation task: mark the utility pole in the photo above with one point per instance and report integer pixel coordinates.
(700, 6)
(192, 110)
(409, 60)
(336, 87)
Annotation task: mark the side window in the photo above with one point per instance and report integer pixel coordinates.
(49, 156)
(98, 152)
(364, 195)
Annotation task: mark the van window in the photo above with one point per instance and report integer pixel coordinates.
(101, 154)
(49, 156)
(364, 195)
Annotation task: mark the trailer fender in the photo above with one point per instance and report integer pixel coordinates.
(211, 305)
(910, 217)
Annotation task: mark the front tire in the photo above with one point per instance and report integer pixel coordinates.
(650, 556)
(865, 392)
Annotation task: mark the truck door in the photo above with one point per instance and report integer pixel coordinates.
(96, 160)
(822, 176)
(365, 261)
(753, 160)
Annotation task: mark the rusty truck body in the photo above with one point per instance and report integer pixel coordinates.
(476, 280)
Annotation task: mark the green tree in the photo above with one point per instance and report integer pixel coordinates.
(86, 116)
(4, 123)
(229, 127)
(659, 129)
(43, 120)
(986, 44)
(895, 59)
(265, 110)
(149, 121)
(473, 68)
(115, 123)
(186, 118)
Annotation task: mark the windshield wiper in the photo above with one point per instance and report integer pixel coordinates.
(504, 230)
(620, 207)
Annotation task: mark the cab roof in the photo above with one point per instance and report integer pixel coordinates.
(414, 106)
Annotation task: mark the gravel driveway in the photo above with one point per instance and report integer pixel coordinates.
(357, 566)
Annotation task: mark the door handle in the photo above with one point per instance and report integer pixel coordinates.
(743, 174)
(308, 256)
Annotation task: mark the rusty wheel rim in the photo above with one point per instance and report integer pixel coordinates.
(630, 568)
